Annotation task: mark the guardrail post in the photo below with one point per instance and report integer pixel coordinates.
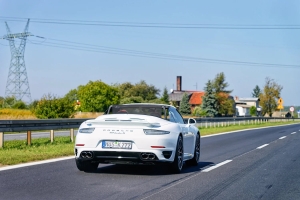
(1, 139)
(28, 137)
(72, 134)
(51, 135)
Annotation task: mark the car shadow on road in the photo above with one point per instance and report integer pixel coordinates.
(148, 170)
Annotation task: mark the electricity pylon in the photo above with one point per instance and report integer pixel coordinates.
(17, 82)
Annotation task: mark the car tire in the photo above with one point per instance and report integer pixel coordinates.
(177, 164)
(194, 161)
(86, 166)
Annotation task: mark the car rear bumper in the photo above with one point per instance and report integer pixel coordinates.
(124, 157)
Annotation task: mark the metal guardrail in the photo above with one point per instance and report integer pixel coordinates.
(56, 124)
(38, 125)
(42, 124)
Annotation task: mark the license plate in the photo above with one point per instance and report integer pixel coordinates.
(116, 145)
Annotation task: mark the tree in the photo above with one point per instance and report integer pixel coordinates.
(127, 100)
(256, 92)
(220, 85)
(270, 96)
(147, 92)
(51, 107)
(72, 95)
(224, 104)
(140, 89)
(125, 89)
(209, 100)
(165, 96)
(184, 107)
(97, 96)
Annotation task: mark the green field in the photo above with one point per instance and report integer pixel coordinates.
(17, 151)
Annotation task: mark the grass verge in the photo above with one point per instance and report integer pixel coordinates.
(216, 130)
(17, 151)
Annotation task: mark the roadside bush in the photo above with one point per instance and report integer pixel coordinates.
(19, 105)
(97, 96)
(198, 112)
(50, 107)
(252, 111)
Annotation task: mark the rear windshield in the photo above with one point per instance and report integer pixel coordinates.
(157, 111)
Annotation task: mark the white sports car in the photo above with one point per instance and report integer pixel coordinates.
(138, 134)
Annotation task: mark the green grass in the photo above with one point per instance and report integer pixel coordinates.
(17, 151)
(214, 130)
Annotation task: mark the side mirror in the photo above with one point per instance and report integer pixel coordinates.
(192, 121)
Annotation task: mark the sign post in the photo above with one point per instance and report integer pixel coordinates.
(280, 105)
(292, 110)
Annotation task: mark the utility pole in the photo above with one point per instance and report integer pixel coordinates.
(17, 82)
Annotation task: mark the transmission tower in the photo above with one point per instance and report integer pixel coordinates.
(17, 82)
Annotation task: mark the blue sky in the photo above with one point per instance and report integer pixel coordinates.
(58, 70)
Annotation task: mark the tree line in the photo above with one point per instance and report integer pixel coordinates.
(97, 96)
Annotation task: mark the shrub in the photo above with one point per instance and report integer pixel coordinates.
(198, 112)
(50, 107)
(253, 111)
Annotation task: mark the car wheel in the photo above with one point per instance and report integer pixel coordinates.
(176, 166)
(194, 161)
(86, 166)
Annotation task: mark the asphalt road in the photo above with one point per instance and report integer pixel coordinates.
(257, 164)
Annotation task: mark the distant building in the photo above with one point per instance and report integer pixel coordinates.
(175, 97)
(243, 105)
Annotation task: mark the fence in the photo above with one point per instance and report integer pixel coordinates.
(56, 124)
(227, 121)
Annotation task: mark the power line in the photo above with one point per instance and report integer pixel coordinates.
(154, 25)
(128, 52)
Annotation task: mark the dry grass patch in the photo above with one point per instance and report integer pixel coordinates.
(87, 114)
(11, 114)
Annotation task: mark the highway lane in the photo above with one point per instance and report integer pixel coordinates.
(23, 136)
(261, 164)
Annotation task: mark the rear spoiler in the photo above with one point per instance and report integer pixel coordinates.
(116, 122)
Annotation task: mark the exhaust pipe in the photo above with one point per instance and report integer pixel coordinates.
(145, 156)
(151, 156)
(83, 154)
(86, 154)
(89, 154)
(148, 156)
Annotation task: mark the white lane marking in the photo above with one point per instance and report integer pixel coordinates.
(222, 163)
(262, 146)
(293, 133)
(282, 137)
(217, 165)
(35, 163)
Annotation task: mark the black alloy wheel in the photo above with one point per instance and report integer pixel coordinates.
(176, 166)
(194, 161)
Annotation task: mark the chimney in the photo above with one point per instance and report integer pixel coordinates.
(178, 81)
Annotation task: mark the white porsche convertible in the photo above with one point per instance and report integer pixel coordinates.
(148, 134)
